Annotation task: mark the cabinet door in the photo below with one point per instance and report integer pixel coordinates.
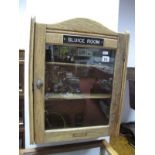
(76, 91)
(78, 86)
(72, 90)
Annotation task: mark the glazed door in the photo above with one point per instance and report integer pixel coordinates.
(77, 74)
(73, 86)
(78, 86)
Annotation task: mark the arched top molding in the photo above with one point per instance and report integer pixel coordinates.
(82, 25)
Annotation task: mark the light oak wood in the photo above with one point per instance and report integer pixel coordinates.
(109, 148)
(72, 133)
(82, 25)
(80, 34)
(39, 73)
(119, 112)
(55, 38)
(21, 151)
(53, 34)
(31, 104)
(77, 96)
(118, 84)
(110, 43)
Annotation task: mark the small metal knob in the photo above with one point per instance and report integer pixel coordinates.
(39, 84)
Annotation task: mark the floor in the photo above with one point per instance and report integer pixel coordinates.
(121, 146)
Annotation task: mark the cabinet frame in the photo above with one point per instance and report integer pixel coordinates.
(40, 35)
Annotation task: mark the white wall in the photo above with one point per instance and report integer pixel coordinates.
(126, 22)
(128, 114)
(53, 11)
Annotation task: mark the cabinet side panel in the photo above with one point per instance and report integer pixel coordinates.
(119, 83)
(124, 74)
(31, 48)
(39, 69)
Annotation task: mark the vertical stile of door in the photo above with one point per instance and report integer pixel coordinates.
(31, 50)
(39, 73)
(118, 84)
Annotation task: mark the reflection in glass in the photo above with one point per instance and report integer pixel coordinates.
(76, 113)
(78, 86)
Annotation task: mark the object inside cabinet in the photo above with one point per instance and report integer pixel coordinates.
(75, 81)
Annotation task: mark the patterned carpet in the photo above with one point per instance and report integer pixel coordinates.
(121, 146)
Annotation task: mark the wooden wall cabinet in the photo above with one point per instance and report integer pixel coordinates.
(77, 72)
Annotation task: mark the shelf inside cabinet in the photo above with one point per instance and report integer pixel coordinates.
(21, 121)
(70, 96)
(21, 93)
(73, 64)
(21, 61)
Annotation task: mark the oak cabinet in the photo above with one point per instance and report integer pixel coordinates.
(77, 72)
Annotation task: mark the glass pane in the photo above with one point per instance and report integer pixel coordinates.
(76, 113)
(78, 86)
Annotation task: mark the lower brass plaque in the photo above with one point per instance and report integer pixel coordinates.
(79, 134)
